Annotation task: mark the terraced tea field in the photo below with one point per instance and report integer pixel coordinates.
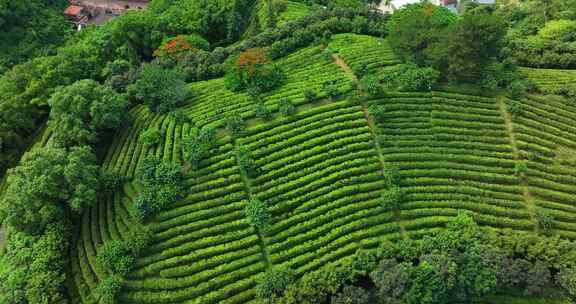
(321, 172)
(552, 81)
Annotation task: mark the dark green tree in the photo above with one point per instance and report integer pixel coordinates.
(79, 112)
(49, 184)
(162, 90)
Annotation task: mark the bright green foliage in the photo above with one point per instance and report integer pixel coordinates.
(162, 90)
(257, 213)
(109, 289)
(559, 30)
(273, 282)
(82, 110)
(48, 184)
(151, 137)
(365, 54)
(547, 81)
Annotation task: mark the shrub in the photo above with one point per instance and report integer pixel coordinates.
(327, 54)
(352, 295)
(371, 84)
(109, 288)
(234, 124)
(197, 145)
(141, 208)
(361, 70)
(262, 111)
(81, 111)
(567, 279)
(273, 282)
(162, 184)
(310, 95)
(179, 117)
(257, 213)
(392, 199)
(286, 107)
(544, 220)
(246, 162)
(410, 77)
(115, 257)
(559, 30)
(151, 137)
(517, 89)
(378, 112)
(520, 169)
(162, 90)
(138, 239)
(392, 176)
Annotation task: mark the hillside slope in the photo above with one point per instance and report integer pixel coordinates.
(321, 172)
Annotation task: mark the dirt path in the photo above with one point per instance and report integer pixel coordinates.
(374, 132)
(530, 205)
(340, 62)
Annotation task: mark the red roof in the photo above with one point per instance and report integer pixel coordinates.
(73, 10)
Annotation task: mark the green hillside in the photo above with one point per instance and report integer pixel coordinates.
(197, 153)
(322, 178)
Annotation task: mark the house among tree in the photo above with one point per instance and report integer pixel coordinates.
(76, 13)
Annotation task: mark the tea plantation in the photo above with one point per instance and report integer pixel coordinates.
(290, 152)
(321, 172)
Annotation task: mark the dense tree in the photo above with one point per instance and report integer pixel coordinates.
(162, 90)
(253, 70)
(468, 45)
(49, 184)
(352, 295)
(83, 110)
(196, 146)
(162, 186)
(273, 282)
(417, 26)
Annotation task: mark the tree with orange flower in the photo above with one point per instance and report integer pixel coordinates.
(253, 69)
